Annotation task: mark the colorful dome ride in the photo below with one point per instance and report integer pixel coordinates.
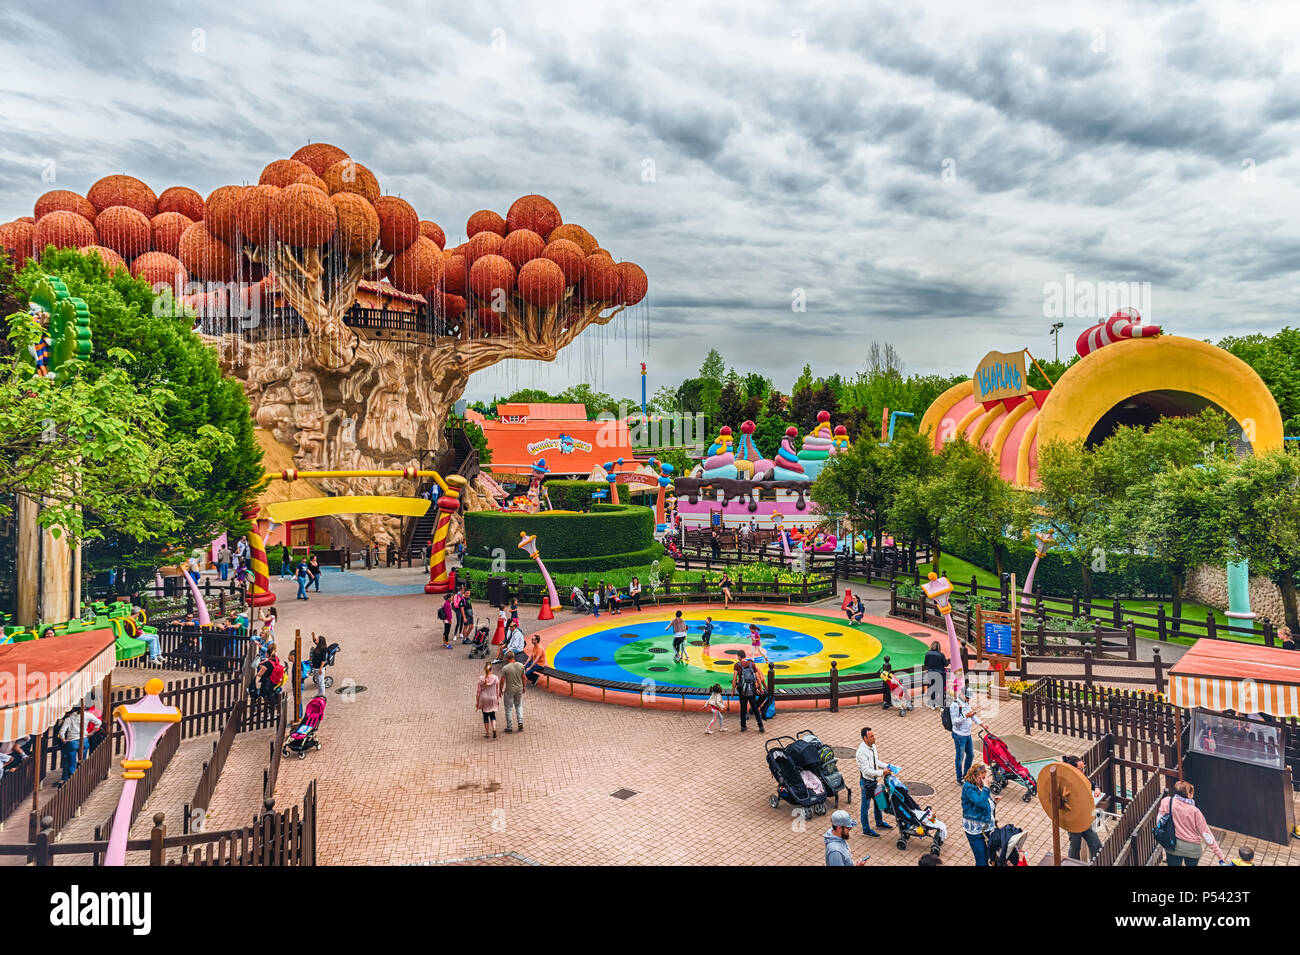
(818, 446)
(721, 462)
(788, 466)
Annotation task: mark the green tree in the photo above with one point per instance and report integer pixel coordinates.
(768, 431)
(1264, 521)
(973, 503)
(713, 367)
(731, 405)
(757, 386)
(95, 448)
(154, 345)
(1072, 500)
(1276, 360)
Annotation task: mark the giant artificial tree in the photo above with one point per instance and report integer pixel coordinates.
(313, 229)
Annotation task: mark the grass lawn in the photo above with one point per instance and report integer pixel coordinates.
(959, 571)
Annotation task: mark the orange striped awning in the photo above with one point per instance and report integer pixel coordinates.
(40, 680)
(1226, 675)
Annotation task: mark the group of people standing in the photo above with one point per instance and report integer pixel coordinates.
(236, 560)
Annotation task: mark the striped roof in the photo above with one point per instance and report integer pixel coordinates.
(40, 680)
(1227, 675)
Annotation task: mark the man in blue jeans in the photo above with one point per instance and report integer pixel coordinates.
(303, 575)
(872, 773)
(963, 720)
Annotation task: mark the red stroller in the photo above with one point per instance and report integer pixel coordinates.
(1006, 768)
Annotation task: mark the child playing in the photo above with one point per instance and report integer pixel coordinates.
(714, 705)
(756, 641)
(707, 634)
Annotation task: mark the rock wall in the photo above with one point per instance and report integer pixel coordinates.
(1209, 585)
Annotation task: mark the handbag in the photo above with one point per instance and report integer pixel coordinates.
(1164, 828)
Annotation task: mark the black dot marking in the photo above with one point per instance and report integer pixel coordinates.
(658, 649)
(657, 669)
(839, 656)
(588, 659)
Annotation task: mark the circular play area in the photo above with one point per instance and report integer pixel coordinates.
(613, 657)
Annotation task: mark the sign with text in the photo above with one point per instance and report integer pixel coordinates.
(1001, 375)
(998, 634)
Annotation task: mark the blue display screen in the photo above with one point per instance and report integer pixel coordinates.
(997, 639)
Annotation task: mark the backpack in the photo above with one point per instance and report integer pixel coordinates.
(1164, 828)
(748, 679)
(277, 673)
(442, 612)
(946, 716)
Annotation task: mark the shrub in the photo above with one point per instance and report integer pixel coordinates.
(1059, 574)
(576, 495)
(607, 531)
(667, 567)
(566, 565)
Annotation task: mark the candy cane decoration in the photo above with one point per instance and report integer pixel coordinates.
(259, 594)
(1125, 323)
(448, 504)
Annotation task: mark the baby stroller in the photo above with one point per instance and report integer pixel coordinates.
(803, 791)
(327, 681)
(481, 640)
(1004, 845)
(1006, 768)
(912, 821)
(580, 604)
(900, 697)
(303, 737)
(808, 752)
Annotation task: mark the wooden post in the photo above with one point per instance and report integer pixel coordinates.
(1160, 680)
(1056, 813)
(835, 686)
(1074, 606)
(1211, 625)
(38, 764)
(1087, 670)
(1178, 733)
(1119, 611)
(296, 676)
(1161, 627)
(157, 855)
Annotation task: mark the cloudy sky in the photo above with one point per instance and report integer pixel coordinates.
(911, 173)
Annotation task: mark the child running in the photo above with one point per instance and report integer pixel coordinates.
(707, 634)
(755, 641)
(714, 706)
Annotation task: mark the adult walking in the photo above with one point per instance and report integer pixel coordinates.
(715, 544)
(304, 578)
(977, 803)
(964, 719)
(935, 665)
(314, 566)
(836, 837)
(286, 562)
(71, 741)
(747, 684)
(678, 626)
(1090, 836)
(320, 652)
(1190, 827)
(512, 683)
(871, 772)
(242, 552)
(448, 614)
(223, 562)
(487, 694)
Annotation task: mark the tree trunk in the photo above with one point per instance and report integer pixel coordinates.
(1177, 575)
(1286, 583)
(1086, 570)
(349, 399)
(998, 560)
(934, 552)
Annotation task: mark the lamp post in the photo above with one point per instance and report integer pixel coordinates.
(937, 589)
(528, 543)
(143, 724)
(1056, 338)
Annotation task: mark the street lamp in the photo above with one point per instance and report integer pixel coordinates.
(1056, 337)
(528, 543)
(937, 589)
(143, 724)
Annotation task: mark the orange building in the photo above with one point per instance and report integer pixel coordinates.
(558, 434)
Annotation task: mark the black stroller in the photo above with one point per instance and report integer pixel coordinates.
(481, 641)
(580, 602)
(810, 753)
(790, 783)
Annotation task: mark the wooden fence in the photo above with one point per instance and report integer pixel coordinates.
(212, 768)
(1132, 842)
(162, 757)
(272, 772)
(67, 800)
(810, 588)
(195, 650)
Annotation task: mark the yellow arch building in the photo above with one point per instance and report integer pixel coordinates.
(1131, 381)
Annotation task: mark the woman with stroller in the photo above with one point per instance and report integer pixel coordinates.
(977, 803)
(320, 652)
(487, 695)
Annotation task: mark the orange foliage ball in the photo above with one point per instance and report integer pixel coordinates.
(450, 307)
(112, 261)
(319, 156)
(159, 268)
(485, 220)
(184, 200)
(399, 226)
(254, 215)
(223, 212)
(63, 230)
(521, 245)
(533, 212)
(599, 251)
(431, 230)
(455, 274)
(349, 176)
(358, 223)
(600, 278)
(541, 282)
(123, 191)
(490, 274)
(576, 234)
(487, 322)
(303, 215)
(634, 284)
(30, 220)
(167, 228)
(206, 257)
(16, 239)
(417, 269)
(484, 243)
(65, 200)
(288, 172)
(568, 256)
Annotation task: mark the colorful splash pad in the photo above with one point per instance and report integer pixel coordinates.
(638, 647)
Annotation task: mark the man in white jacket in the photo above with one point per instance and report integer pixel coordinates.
(872, 773)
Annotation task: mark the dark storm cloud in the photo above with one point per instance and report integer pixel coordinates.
(1154, 142)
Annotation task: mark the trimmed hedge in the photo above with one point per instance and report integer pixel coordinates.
(1060, 575)
(569, 565)
(608, 531)
(576, 495)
